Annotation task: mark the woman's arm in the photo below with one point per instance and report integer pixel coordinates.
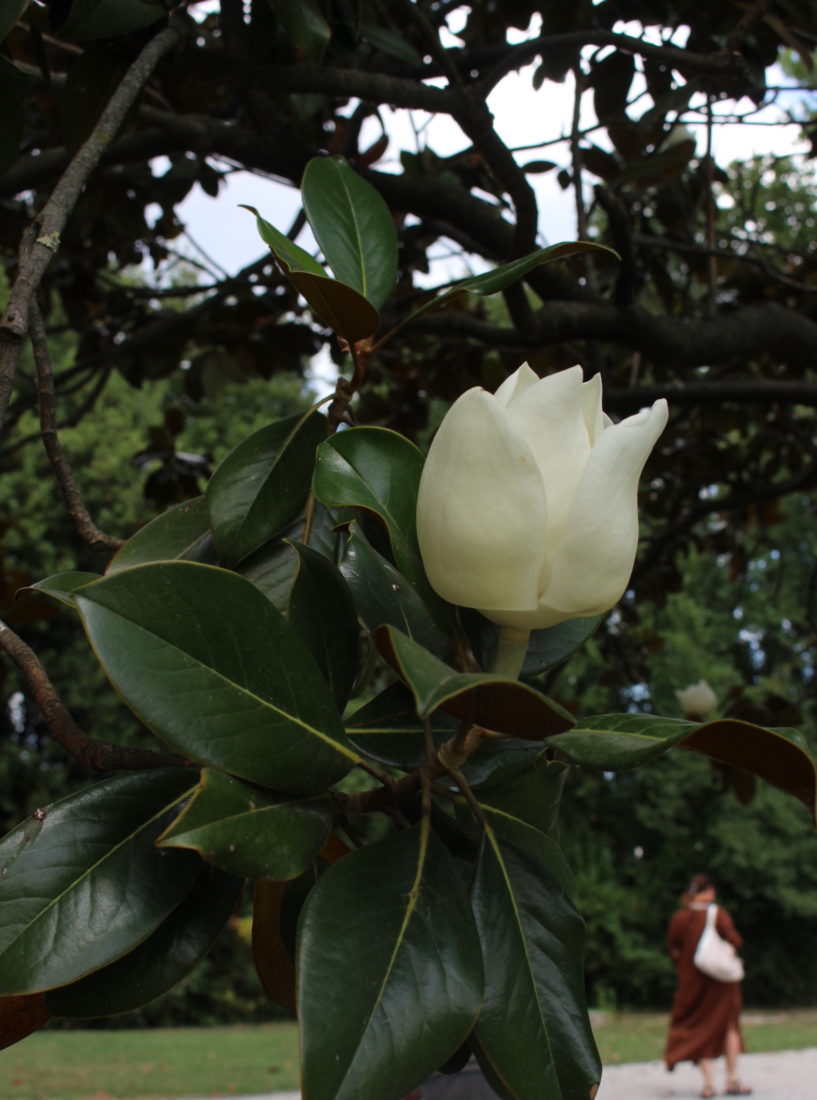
(726, 928)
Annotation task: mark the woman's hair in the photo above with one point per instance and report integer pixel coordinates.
(697, 885)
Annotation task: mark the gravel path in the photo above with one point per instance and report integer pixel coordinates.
(791, 1075)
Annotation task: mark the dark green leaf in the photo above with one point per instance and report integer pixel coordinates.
(379, 470)
(63, 586)
(247, 831)
(483, 699)
(272, 570)
(525, 811)
(353, 226)
(614, 741)
(610, 79)
(546, 648)
(383, 596)
(183, 531)
(533, 1036)
(12, 123)
(82, 882)
(322, 611)
(401, 981)
(291, 256)
(262, 484)
(165, 957)
(90, 83)
(491, 282)
(89, 19)
(9, 14)
(305, 25)
(207, 662)
(388, 730)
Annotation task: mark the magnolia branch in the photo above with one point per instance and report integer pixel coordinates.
(97, 756)
(448, 760)
(84, 525)
(41, 240)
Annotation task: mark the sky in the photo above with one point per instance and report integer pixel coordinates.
(523, 116)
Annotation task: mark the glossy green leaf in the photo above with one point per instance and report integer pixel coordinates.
(161, 961)
(353, 226)
(379, 470)
(82, 882)
(291, 256)
(262, 484)
(491, 282)
(546, 648)
(388, 730)
(484, 699)
(401, 982)
(307, 588)
(305, 25)
(182, 532)
(12, 120)
(245, 830)
(321, 609)
(207, 662)
(9, 14)
(272, 569)
(383, 596)
(614, 741)
(92, 19)
(524, 810)
(63, 586)
(338, 305)
(533, 1036)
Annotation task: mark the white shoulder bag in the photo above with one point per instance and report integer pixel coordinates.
(714, 956)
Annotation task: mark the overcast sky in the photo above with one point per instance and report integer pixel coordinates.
(522, 116)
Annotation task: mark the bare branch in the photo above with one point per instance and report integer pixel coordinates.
(97, 756)
(84, 525)
(42, 238)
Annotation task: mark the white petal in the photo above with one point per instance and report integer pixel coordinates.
(594, 418)
(550, 416)
(481, 511)
(516, 384)
(594, 560)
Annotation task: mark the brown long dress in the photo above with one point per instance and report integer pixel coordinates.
(703, 1009)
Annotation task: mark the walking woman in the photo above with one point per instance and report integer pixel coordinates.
(705, 1021)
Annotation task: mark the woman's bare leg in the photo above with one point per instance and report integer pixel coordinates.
(731, 1049)
(705, 1066)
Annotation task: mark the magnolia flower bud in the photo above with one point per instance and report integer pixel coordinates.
(697, 701)
(527, 506)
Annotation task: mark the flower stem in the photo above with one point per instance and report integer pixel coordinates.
(510, 652)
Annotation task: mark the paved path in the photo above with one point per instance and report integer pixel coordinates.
(791, 1075)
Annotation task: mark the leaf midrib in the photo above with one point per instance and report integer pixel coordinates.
(109, 854)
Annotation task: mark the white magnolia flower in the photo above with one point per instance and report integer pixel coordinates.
(697, 700)
(527, 507)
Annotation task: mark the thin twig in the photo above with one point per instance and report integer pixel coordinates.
(41, 240)
(84, 525)
(97, 756)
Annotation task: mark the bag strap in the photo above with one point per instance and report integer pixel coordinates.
(711, 914)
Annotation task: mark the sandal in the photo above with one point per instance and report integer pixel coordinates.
(735, 1088)
(706, 1093)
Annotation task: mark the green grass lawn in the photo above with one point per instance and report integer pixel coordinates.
(235, 1061)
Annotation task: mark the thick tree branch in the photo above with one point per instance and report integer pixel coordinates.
(505, 59)
(83, 524)
(41, 240)
(672, 341)
(97, 756)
